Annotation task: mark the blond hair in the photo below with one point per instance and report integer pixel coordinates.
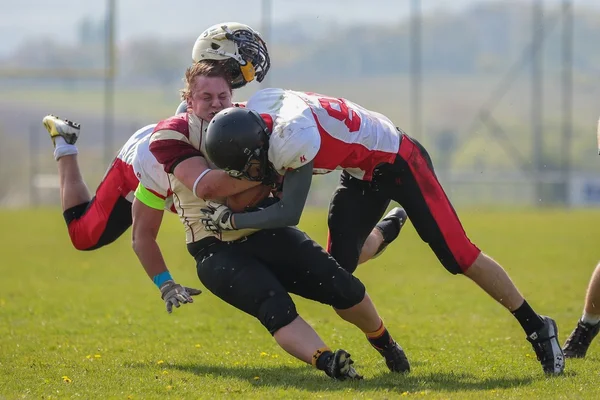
(208, 68)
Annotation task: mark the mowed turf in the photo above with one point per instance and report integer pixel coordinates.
(92, 325)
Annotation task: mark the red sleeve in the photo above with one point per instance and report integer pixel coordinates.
(170, 143)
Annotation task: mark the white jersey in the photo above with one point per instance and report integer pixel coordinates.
(147, 169)
(127, 152)
(140, 167)
(334, 133)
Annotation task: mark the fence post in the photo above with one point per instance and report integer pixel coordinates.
(33, 164)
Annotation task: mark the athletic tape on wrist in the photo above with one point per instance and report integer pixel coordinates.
(161, 278)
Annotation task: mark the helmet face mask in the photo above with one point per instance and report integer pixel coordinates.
(235, 41)
(253, 51)
(255, 168)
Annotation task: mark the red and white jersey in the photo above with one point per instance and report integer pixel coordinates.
(138, 165)
(334, 132)
(124, 162)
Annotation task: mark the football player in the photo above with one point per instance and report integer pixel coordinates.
(299, 134)
(588, 325)
(94, 222)
(256, 270)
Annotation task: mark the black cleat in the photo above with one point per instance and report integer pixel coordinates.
(546, 346)
(390, 232)
(395, 358)
(339, 366)
(580, 339)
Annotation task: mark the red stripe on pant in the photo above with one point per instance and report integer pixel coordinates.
(463, 251)
(87, 230)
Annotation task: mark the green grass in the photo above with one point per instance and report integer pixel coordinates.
(97, 319)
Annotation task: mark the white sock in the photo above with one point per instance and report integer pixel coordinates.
(63, 148)
(590, 319)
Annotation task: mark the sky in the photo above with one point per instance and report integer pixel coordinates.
(172, 19)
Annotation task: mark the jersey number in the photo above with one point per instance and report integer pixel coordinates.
(341, 112)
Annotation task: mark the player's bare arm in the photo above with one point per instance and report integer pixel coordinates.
(286, 212)
(144, 231)
(147, 213)
(207, 183)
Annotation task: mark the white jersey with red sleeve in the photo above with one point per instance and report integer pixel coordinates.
(124, 163)
(153, 189)
(334, 133)
(139, 168)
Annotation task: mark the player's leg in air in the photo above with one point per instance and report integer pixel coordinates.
(92, 221)
(588, 325)
(411, 181)
(64, 134)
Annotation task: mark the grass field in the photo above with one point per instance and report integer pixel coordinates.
(92, 325)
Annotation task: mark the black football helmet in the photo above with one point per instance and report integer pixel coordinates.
(237, 141)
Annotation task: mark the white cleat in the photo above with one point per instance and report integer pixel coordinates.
(64, 128)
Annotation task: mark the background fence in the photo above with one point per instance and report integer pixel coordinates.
(504, 94)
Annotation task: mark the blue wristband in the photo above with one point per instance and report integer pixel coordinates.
(161, 278)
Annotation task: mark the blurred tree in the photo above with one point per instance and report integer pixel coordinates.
(158, 62)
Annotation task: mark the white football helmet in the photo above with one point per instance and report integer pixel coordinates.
(232, 40)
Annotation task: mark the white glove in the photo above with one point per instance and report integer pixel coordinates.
(174, 294)
(218, 217)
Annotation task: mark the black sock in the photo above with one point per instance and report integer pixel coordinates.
(380, 338)
(529, 320)
(322, 358)
(389, 228)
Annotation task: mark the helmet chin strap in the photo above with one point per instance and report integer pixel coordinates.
(248, 71)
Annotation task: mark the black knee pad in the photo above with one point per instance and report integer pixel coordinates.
(75, 212)
(277, 311)
(349, 293)
(346, 260)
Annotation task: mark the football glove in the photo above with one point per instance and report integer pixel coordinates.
(218, 217)
(174, 294)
